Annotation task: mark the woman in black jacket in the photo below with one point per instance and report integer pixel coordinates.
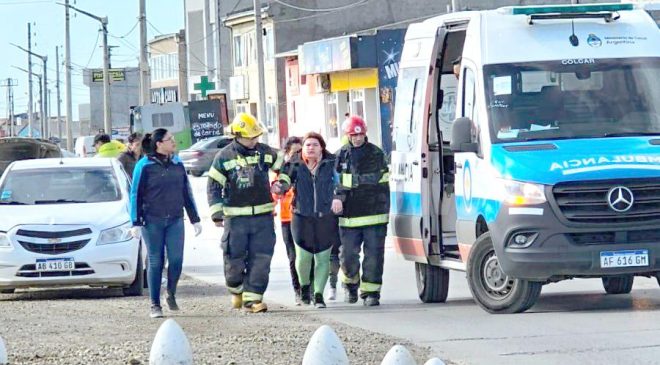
(159, 194)
(314, 226)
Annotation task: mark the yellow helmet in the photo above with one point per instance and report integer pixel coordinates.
(246, 126)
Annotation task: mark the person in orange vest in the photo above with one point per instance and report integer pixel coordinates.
(292, 146)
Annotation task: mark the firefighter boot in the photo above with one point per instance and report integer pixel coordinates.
(350, 293)
(372, 300)
(255, 307)
(236, 301)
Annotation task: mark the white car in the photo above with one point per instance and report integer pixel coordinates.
(66, 222)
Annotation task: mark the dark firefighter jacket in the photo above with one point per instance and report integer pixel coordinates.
(363, 185)
(239, 182)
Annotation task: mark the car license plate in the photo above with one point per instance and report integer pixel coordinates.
(58, 264)
(625, 258)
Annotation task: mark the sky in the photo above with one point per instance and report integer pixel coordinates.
(47, 19)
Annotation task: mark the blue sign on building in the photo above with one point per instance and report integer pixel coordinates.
(389, 44)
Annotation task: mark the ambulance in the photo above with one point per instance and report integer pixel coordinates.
(538, 160)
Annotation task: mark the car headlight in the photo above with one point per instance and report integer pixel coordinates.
(115, 235)
(4, 240)
(519, 193)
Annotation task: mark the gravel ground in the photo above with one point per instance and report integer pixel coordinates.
(96, 326)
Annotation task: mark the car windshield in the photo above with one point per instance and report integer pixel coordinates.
(59, 186)
(573, 98)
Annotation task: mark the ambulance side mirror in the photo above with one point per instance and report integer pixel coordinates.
(461, 136)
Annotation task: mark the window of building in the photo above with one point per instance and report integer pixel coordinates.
(331, 116)
(271, 115)
(164, 67)
(239, 51)
(357, 102)
(269, 44)
(241, 108)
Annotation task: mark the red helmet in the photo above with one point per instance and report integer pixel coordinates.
(354, 125)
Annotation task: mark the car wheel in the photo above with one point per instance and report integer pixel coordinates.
(135, 289)
(197, 173)
(432, 283)
(621, 284)
(7, 291)
(492, 289)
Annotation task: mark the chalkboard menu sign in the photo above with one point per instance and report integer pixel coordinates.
(205, 119)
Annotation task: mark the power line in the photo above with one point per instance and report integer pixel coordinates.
(320, 10)
(21, 2)
(98, 35)
(154, 28)
(128, 33)
(318, 14)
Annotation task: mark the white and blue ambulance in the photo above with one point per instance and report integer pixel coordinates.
(539, 161)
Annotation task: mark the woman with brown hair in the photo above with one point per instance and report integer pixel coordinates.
(314, 226)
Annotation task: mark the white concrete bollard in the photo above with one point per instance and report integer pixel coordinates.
(398, 355)
(170, 346)
(3, 353)
(434, 361)
(325, 348)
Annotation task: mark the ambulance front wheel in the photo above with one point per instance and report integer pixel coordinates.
(492, 289)
(432, 283)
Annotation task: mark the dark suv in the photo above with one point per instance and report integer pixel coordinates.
(198, 158)
(20, 148)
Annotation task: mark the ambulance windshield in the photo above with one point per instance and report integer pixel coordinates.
(573, 98)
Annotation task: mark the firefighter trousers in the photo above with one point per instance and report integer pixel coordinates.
(370, 240)
(248, 244)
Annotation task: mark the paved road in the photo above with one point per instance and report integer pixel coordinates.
(574, 322)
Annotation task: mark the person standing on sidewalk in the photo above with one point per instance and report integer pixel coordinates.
(241, 202)
(364, 190)
(159, 194)
(133, 152)
(312, 174)
(291, 148)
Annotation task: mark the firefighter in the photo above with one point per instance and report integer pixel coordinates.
(364, 191)
(240, 200)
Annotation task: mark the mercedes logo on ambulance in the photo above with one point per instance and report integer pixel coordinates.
(620, 199)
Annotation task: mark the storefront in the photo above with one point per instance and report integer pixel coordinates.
(330, 79)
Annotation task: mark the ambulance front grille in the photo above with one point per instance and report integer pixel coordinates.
(588, 201)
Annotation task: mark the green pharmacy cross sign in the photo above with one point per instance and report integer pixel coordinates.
(204, 86)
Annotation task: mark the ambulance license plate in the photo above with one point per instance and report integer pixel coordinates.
(625, 258)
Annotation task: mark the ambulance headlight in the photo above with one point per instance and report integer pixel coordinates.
(519, 193)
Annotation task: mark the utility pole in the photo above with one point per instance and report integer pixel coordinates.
(107, 121)
(44, 110)
(260, 68)
(9, 83)
(107, 118)
(57, 95)
(67, 78)
(145, 82)
(30, 110)
(218, 68)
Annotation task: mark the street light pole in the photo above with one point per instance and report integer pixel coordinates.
(57, 88)
(145, 82)
(45, 130)
(107, 118)
(107, 121)
(30, 111)
(67, 79)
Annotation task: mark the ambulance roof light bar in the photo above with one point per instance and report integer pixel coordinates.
(608, 12)
(567, 9)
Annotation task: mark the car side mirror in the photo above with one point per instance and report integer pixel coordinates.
(461, 136)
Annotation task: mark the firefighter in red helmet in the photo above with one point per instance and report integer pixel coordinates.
(364, 192)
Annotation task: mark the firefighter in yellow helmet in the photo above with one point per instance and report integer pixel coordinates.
(240, 200)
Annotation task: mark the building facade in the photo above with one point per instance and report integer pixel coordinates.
(167, 62)
(124, 94)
